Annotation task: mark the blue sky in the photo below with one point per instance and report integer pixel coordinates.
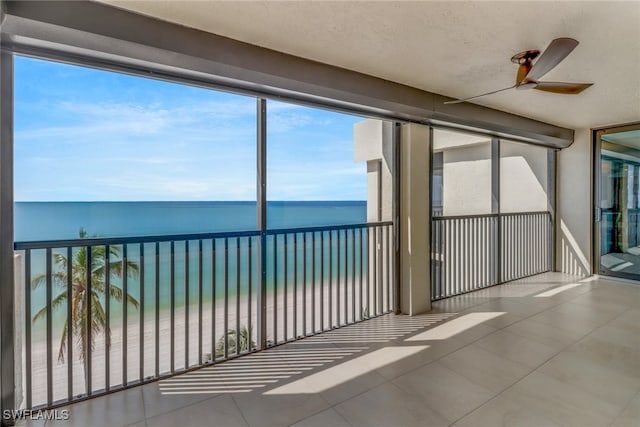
(89, 135)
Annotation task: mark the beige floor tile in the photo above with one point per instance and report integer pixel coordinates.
(562, 402)
(504, 412)
(156, 403)
(619, 333)
(630, 416)
(467, 327)
(582, 344)
(545, 333)
(443, 390)
(335, 382)
(28, 422)
(485, 368)
(278, 410)
(592, 377)
(514, 307)
(327, 418)
(220, 410)
(606, 350)
(521, 350)
(389, 406)
(113, 410)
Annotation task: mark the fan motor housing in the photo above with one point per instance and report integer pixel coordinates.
(525, 56)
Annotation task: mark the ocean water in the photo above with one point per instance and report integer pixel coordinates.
(62, 220)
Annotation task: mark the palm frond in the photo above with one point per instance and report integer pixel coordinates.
(55, 303)
(63, 342)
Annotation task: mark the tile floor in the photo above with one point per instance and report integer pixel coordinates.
(550, 350)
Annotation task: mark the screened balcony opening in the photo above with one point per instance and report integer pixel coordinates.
(491, 212)
(162, 227)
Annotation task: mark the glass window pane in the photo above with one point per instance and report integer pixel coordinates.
(326, 167)
(120, 155)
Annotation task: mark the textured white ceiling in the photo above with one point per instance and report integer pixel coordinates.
(457, 49)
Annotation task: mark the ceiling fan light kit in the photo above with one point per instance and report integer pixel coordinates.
(529, 73)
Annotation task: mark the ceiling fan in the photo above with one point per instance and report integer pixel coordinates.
(529, 73)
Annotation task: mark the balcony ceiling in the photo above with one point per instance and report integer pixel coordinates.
(457, 49)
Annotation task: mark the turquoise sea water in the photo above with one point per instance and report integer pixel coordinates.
(62, 220)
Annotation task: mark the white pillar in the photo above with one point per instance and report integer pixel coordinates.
(415, 259)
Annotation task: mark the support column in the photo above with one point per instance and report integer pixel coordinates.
(415, 246)
(7, 292)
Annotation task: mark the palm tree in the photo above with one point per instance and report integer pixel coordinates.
(243, 341)
(79, 315)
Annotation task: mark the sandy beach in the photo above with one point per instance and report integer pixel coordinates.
(355, 309)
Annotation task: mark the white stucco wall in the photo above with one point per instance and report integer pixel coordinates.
(373, 143)
(523, 178)
(466, 172)
(574, 211)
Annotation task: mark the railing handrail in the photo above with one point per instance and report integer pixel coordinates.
(491, 215)
(101, 241)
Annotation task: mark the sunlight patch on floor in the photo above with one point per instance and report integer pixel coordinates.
(556, 291)
(455, 326)
(347, 371)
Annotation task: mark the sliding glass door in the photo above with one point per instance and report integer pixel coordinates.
(617, 196)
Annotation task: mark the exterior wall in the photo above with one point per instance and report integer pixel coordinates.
(373, 143)
(523, 178)
(466, 179)
(574, 210)
(415, 268)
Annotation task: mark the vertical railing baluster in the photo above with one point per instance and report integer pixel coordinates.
(353, 274)
(70, 323)
(157, 308)
(367, 277)
(125, 323)
(186, 285)
(322, 280)
(388, 255)
(249, 292)
(344, 281)
(214, 285)
(275, 289)
(200, 297)
(338, 265)
(304, 284)
(376, 292)
(313, 282)
(226, 298)
(27, 325)
(295, 285)
(434, 259)
(141, 325)
(172, 303)
(88, 321)
(285, 292)
(536, 238)
(49, 298)
(458, 259)
(330, 272)
(360, 272)
(475, 251)
(238, 295)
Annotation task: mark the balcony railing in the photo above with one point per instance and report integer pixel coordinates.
(101, 314)
(476, 251)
